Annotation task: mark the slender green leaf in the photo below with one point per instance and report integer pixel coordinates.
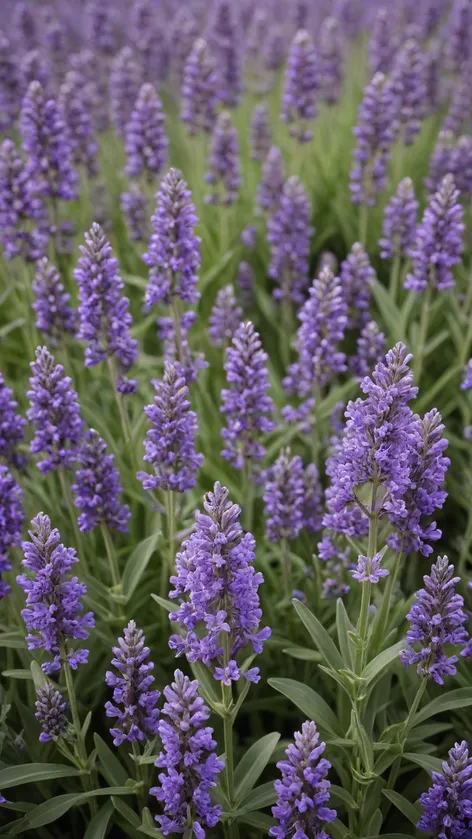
(13, 640)
(460, 698)
(33, 773)
(411, 811)
(209, 688)
(17, 674)
(262, 796)
(252, 765)
(381, 661)
(166, 604)
(344, 626)
(321, 638)
(138, 562)
(261, 821)
(302, 653)
(342, 796)
(427, 762)
(313, 705)
(112, 769)
(99, 824)
(125, 810)
(51, 810)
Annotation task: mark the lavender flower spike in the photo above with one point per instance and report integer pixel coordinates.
(375, 136)
(369, 569)
(224, 168)
(104, 319)
(323, 320)
(245, 402)
(383, 43)
(288, 233)
(439, 241)
(170, 442)
(436, 619)
(226, 48)
(47, 144)
(12, 427)
(137, 720)
(199, 94)
(399, 223)
(53, 613)
(188, 762)
(312, 500)
(260, 133)
(134, 206)
(54, 413)
(225, 317)
(466, 383)
(303, 791)
(174, 250)
(370, 350)
(50, 712)
(21, 209)
(302, 83)
(97, 487)
(54, 315)
(146, 142)
(284, 498)
(331, 61)
(447, 805)
(269, 190)
(356, 276)
(11, 521)
(216, 586)
(409, 90)
(73, 103)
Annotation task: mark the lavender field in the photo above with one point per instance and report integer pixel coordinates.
(236, 419)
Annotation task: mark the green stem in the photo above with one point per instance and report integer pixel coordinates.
(248, 497)
(395, 768)
(177, 329)
(232, 829)
(363, 620)
(381, 619)
(316, 438)
(423, 334)
(72, 514)
(81, 750)
(125, 426)
(466, 344)
(112, 558)
(170, 508)
(395, 276)
(363, 224)
(286, 329)
(286, 568)
(139, 777)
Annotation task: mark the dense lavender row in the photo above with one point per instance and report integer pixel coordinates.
(235, 419)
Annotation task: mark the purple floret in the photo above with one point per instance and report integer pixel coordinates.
(355, 277)
(50, 712)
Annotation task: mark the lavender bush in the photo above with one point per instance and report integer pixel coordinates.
(236, 420)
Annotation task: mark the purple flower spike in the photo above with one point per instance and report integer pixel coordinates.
(436, 619)
(331, 61)
(442, 161)
(182, 35)
(457, 119)
(409, 90)
(53, 614)
(137, 719)
(370, 350)
(275, 49)
(11, 522)
(146, 142)
(376, 445)
(104, 319)
(47, 144)
(21, 208)
(356, 276)
(284, 497)
(302, 83)
(54, 315)
(199, 94)
(134, 206)
(224, 168)
(149, 34)
(245, 403)
(10, 84)
(288, 233)
(73, 103)
(54, 414)
(428, 467)
(125, 78)
(323, 320)
(313, 500)
(225, 317)
(174, 251)
(25, 26)
(50, 712)
(383, 43)
(225, 46)
(245, 281)
(303, 791)
(187, 361)
(188, 762)
(374, 133)
(35, 67)
(260, 133)
(439, 241)
(248, 236)
(399, 223)
(447, 806)
(458, 42)
(12, 427)
(97, 487)
(217, 589)
(369, 569)
(101, 28)
(170, 442)
(269, 190)
(465, 385)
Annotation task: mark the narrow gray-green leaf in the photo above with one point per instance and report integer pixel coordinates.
(310, 702)
(111, 767)
(252, 765)
(33, 773)
(381, 661)
(411, 811)
(137, 563)
(99, 824)
(460, 698)
(427, 762)
(323, 641)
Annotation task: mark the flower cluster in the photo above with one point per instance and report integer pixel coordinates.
(288, 233)
(21, 208)
(225, 317)
(399, 223)
(374, 135)
(216, 585)
(284, 498)
(53, 613)
(12, 427)
(11, 521)
(302, 82)
(54, 315)
(146, 142)
(97, 487)
(224, 173)
(50, 712)
(199, 95)
(447, 805)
